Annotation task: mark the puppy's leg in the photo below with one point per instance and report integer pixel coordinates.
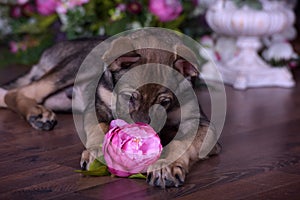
(2, 95)
(25, 102)
(94, 137)
(60, 101)
(163, 174)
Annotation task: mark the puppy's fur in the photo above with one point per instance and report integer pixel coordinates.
(49, 86)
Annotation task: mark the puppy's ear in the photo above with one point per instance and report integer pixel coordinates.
(124, 61)
(186, 61)
(120, 54)
(185, 68)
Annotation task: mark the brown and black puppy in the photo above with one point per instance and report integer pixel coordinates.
(127, 89)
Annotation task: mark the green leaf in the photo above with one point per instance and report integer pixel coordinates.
(175, 23)
(101, 171)
(116, 26)
(45, 22)
(137, 176)
(97, 168)
(97, 164)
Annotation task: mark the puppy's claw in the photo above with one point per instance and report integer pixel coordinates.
(87, 157)
(83, 165)
(179, 179)
(160, 174)
(149, 176)
(157, 182)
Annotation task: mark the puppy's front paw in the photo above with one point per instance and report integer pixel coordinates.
(41, 118)
(87, 157)
(162, 175)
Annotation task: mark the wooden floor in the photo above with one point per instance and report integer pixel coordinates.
(260, 157)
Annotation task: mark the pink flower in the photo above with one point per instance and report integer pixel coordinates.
(165, 10)
(15, 12)
(134, 7)
(64, 6)
(121, 7)
(79, 2)
(28, 9)
(14, 48)
(130, 148)
(293, 64)
(46, 7)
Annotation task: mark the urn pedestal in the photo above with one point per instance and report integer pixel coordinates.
(247, 68)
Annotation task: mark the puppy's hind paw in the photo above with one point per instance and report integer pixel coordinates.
(41, 118)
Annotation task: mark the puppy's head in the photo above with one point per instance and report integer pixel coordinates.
(144, 81)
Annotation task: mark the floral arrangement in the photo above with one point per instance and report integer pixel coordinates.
(128, 150)
(29, 26)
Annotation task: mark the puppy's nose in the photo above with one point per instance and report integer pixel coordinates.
(147, 120)
(143, 119)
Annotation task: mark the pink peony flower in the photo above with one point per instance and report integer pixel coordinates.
(46, 7)
(130, 148)
(165, 10)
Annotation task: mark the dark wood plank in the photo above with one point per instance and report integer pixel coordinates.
(289, 191)
(245, 188)
(33, 177)
(75, 196)
(59, 185)
(123, 188)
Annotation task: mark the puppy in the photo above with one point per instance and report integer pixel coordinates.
(142, 82)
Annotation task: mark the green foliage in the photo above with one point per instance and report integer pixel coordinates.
(101, 171)
(40, 26)
(97, 17)
(28, 57)
(254, 4)
(137, 176)
(97, 168)
(283, 62)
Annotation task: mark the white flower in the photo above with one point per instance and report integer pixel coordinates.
(278, 51)
(226, 47)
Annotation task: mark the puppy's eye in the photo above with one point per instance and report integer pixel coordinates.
(126, 64)
(165, 102)
(135, 96)
(130, 96)
(126, 96)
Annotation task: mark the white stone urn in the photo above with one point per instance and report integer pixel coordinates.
(247, 69)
